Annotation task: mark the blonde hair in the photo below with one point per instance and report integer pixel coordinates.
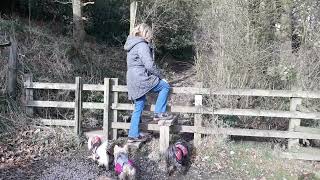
(142, 30)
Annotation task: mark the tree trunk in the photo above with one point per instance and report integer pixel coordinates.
(78, 29)
(133, 13)
(12, 73)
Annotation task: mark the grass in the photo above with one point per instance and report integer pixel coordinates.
(252, 160)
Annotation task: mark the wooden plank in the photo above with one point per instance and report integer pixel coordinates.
(40, 85)
(236, 92)
(181, 109)
(119, 88)
(54, 104)
(256, 133)
(247, 92)
(106, 111)
(267, 113)
(227, 111)
(164, 139)
(307, 129)
(57, 122)
(93, 87)
(186, 90)
(144, 126)
(294, 122)
(301, 156)
(93, 105)
(115, 81)
(197, 117)
(29, 94)
(63, 86)
(224, 131)
(78, 106)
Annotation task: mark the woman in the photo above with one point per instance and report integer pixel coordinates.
(142, 77)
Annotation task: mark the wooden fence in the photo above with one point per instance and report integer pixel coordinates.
(111, 106)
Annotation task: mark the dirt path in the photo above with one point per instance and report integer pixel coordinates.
(76, 166)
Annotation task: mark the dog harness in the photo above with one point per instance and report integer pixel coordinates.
(121, 160)
(180, 152)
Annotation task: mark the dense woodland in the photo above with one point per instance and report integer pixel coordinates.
(250, 44)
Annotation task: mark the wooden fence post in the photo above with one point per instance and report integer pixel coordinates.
(164, 139)
(12, 73)
(115, 81)
(29, 93)
(294, 103)
(78, 106)
(106, 110)
(198, 117)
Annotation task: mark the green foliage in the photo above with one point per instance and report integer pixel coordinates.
(7, 26)
(230, 121)
(109, 21)
(173, 22)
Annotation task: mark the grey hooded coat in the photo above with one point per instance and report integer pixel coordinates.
(142, 73)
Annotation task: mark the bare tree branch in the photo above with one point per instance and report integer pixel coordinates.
(87, 3)
(5, 44)
(62, 2)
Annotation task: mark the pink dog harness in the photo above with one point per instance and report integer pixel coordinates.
(121, 160)
(181, 151)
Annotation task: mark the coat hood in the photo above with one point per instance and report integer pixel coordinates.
(132, 41)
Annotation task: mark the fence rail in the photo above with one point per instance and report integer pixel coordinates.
(186, 90)
(111, 106)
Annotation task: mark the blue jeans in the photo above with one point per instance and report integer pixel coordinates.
(163, 89)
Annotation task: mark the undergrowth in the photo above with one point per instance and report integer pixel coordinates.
(251, 160)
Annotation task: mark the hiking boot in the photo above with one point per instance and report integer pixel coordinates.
(137, 139)
(162, 116)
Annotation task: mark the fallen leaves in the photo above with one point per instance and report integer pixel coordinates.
(31, 144)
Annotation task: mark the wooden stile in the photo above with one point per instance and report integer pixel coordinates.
(111, 90)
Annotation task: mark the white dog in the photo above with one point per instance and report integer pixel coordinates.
(123, 165)
(99, 151)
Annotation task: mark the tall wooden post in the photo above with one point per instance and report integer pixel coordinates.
(197, 117)
(115, 81)
(78, 106)
(294, 102)
(78, 29)
(29, 93)
(106, 108)
(12, 73)
(133, 13)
